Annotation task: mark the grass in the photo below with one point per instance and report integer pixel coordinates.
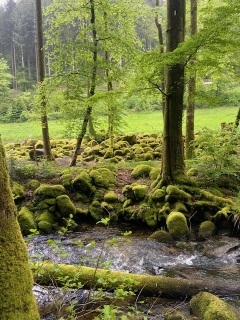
(150, 122)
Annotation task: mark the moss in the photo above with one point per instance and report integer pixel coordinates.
(207, 306)
(158, 195)
(141, 171)
(66, 180)
(179, 206)
(207, 229)
(161, 236)
(147, 215)
(65, 206)
(175, 193)
(82, 183)
(174, 315)
(177, 225)
(95, 210)
(16, 282)
(33, 184)
(18, 190)
(127, 203)
(49, 191)
(140, 191)
(110, 197)
(45, 221)
(154, 173)
(102, 177)
(26, 221)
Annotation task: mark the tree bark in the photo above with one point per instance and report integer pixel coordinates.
(237, 119)
(41, 77)
(88, 113)
(149, 285)
(172, 155)
(191, 90)
(16, 282)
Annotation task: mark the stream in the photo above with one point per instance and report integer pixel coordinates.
(216, 259)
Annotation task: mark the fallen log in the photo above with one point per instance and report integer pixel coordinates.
(48, 273)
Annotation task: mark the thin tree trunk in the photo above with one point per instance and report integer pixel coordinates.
(173, 170)
(14, 63)
(237, 119)
(92, 87)
(191, 90)
(16, 282)
(41, 77)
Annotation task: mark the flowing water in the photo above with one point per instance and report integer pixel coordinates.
(217, 259)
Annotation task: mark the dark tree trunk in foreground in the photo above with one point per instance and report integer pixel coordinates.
(191, 90)
(173, 154)
(16, 297)
(88, 112)
(41, 77)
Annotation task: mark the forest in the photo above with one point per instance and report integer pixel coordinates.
(100, 222)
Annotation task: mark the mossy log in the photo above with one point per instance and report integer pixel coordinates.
(149, 285)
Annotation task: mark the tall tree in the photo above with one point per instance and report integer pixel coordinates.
(41, 76)
(191, 88)
(16, 297)
(172, 154)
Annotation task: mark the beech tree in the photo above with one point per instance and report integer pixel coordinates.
(172, 153)
(17, 301)
(41, 73)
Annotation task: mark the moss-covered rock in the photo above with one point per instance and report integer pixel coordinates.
(65, 206)
(95, 210)
(82, 183)
(207, 306)
(110, 197)
(158, 195)
(26, 221)
(174, 315)
(161, 236)
(102, 177)
(147, 214)
(18, 190)
(45, 221)
(207, 229)
(141, 171)
(179, 206)
(49, 191)
(177, 225)
(154, 173)
(140, 191)
(66, 180)
(33, 184)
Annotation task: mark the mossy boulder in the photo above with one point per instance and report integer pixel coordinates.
(161, 236)
(45, 221)
(177, 225)
(95, 210)
(102, 177)
(65, 206)
(207, 306)
(18, 190)
(207, 229)
(154, 173)
(66, 180)
(49, 191)
(158, 195)
(174, 315)
(33, 184)
(140, 191)
(110, 197)
(26, 221)
(82, 183)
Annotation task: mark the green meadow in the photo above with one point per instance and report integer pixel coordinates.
(135, 122)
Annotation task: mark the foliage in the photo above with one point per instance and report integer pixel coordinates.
(216, 153)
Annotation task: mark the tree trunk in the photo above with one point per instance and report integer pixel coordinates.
(173, 155)
(191, 90)
(149, 285)
(16, 297)
(92, 87)
(41, 77)
(237, 119)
